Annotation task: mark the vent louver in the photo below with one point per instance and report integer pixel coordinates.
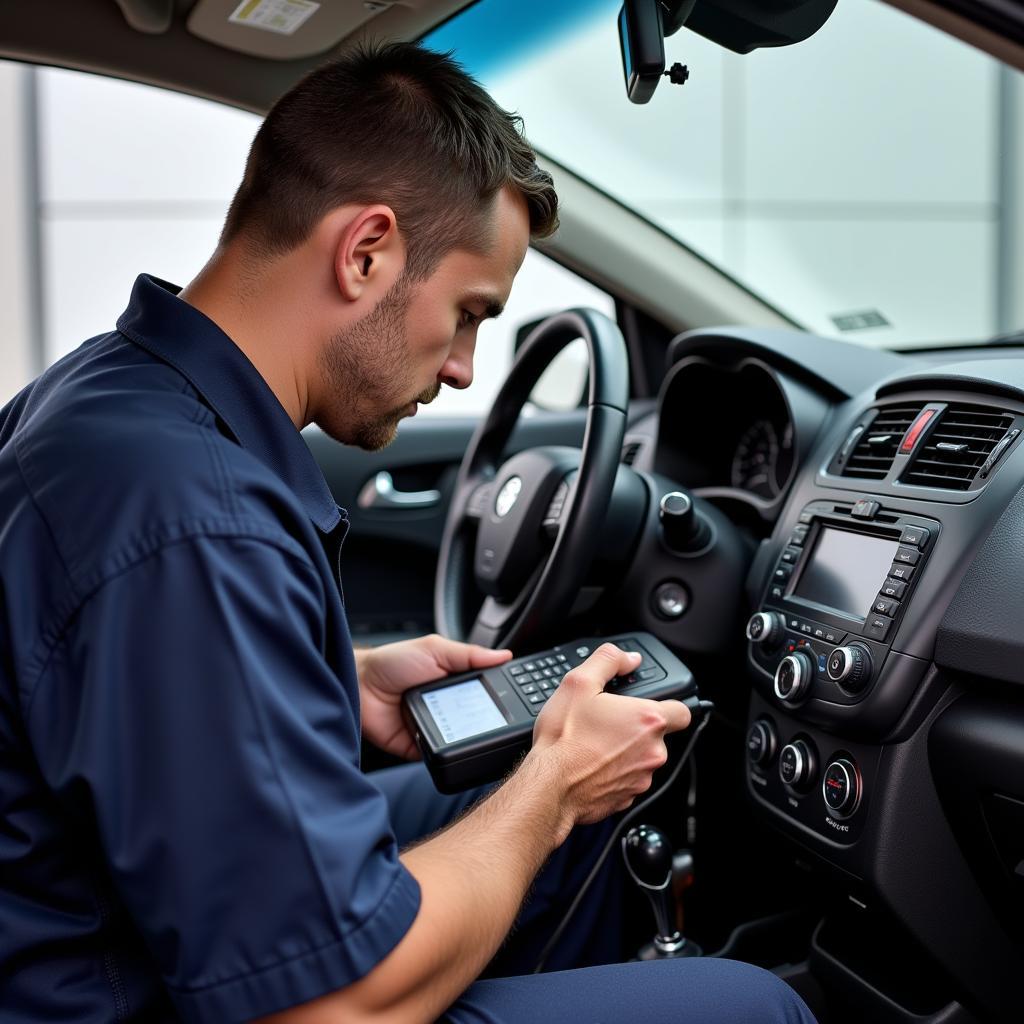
(950, 457)
(875, 450)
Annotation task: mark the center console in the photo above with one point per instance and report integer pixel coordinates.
(821, 646)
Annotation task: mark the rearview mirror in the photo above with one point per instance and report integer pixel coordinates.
(642, 41)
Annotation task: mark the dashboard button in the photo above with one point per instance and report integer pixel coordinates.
(906, 555)
(782, 573)
(878, 626)
(915, 536)
(865, 508)
(806, 518)
(886, 606)
(790, 555)
(893, 588)
(798, 536)
(776, 591)
(901, 572)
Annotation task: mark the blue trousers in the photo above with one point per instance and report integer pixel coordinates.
(585, 982)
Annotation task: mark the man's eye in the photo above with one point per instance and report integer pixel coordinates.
(468, 319)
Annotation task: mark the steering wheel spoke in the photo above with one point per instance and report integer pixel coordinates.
(476, 500)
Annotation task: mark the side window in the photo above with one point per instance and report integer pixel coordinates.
(541, 288)
(101, 179)
(106, 179)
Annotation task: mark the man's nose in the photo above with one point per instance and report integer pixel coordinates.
(457, 371)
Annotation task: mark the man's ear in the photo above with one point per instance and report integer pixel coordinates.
(369, 252)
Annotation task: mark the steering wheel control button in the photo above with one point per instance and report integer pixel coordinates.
(793, 677)
(915, 536)
(761, 743)
(670, 600)
(840, 788)
(850, 667)
(765, 628)
(796, 765)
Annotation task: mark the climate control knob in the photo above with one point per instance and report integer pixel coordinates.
(765, 628)
(761, 743)
(850, 666)
(793, 677)
(796, 765)
(840, 787)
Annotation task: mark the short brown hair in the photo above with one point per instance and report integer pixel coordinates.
(392, 123)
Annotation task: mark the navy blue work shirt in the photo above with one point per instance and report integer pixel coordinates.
(184, 829)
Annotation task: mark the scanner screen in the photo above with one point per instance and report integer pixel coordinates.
(463, 710)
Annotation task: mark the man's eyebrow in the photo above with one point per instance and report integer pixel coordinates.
(492, 307)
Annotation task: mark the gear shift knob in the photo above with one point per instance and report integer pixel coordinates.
(648, 857)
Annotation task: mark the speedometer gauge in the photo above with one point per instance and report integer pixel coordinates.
(755, 461)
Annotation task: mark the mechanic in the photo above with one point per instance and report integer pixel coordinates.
(186, 833)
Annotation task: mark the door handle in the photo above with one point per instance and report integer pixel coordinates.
(380, 492)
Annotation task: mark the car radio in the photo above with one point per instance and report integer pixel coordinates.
(836, 594)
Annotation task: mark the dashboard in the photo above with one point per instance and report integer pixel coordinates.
(881, 500)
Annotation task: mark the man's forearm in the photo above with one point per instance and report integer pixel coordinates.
(473, 877)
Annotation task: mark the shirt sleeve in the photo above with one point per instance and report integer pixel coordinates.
(219, 752)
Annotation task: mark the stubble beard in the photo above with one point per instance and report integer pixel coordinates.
(367, 368)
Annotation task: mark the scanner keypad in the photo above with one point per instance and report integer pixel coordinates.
(537, 678)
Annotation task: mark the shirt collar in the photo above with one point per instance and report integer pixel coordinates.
(180, 335)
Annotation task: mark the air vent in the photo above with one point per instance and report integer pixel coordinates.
(958, 447)
(876, 447)
(630, 450)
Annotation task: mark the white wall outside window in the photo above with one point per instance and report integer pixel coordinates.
(135, 179)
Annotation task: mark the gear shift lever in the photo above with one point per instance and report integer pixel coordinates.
(648, 857)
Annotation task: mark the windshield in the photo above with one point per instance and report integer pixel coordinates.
(862, 182)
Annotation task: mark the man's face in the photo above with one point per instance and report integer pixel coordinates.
(419, 336)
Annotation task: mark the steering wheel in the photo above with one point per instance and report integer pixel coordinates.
(517, 507)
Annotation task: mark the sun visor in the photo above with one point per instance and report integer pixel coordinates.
(283, 29)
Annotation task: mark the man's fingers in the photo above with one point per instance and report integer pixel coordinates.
(676, 714)
(603, 665)
(454, 656)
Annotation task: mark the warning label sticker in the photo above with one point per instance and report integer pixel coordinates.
(281, 16)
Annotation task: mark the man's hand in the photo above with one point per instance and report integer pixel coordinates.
(386, 672)
(607, 746)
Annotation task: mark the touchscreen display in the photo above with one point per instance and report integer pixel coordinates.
(845, 571)
(463, 710)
